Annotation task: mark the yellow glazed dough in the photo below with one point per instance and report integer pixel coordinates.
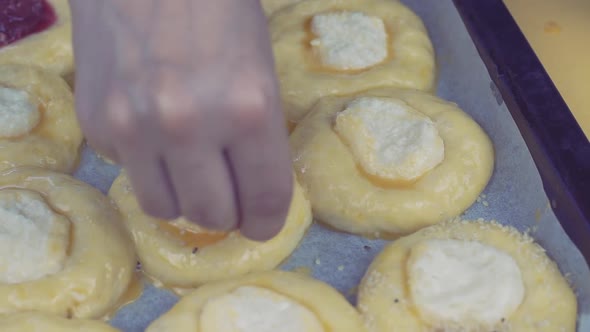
(39, 322)
(548, 304)
(50, 49)
(53, 142)
(325, 309)
(349, 199)
(304, 78)
(179, 254)
(88, 272)
(272, 6)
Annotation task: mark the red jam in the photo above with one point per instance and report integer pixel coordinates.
(22, 18)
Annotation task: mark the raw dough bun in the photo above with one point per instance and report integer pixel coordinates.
(549, 303)
(409, 63)
(100, 262)
(272, 6)
(54, 143)
(36, 322)
(191, 259)
(327, 305)
(50, 49)
(348, 199)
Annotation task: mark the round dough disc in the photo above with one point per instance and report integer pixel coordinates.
(304, 79)
(327, 305)
(35, 322)
(55, 142)
(347, 199)
(100, 263)
(50, 49)
(187, 259)
(549, 303)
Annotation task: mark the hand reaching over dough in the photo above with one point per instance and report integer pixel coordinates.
(183, 95)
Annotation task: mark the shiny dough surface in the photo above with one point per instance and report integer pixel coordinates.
(169, 260)
(332, 309)
(344, 198)
(410, 64)
(50, 49)
(39, 322)
(100, 263)
(272, 6)
(549, 304)
(55, 142)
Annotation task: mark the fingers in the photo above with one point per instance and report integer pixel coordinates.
(91, 98)
(253, 185)
(236, 171)
(203, 186)
(149, 178)
(93, 122)
(95, 126)
(191, 128)
(262, 167)
(137, 152)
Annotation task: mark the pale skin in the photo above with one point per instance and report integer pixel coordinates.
(183, 94)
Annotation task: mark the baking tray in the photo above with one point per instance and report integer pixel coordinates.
(557, 143)
(516, 95)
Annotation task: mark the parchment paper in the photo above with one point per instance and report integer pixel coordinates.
(514, 196)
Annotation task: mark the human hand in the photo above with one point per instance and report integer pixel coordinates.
(182, 94)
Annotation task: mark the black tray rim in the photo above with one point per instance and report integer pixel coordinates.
(559, 147)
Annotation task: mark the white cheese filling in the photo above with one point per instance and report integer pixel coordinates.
(390, 139)
(33, 239)
(349, 40)
(464, 283)
(18, 114)
(256, 309)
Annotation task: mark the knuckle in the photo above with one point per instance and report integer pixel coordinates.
(177, 119)
(250, 104)
(121, 122)
(178, 124)
(123, 130)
